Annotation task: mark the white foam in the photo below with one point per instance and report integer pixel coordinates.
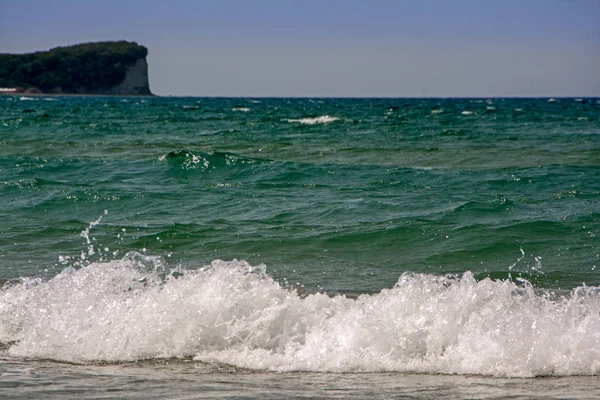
(242, 109)
(234, 313)
(467, 113)
(324, 119)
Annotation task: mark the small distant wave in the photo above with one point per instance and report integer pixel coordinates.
(231, 312)
(325, 119)
(197, 160)
(241, 109)
(186, 159)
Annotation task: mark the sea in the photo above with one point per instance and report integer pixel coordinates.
(297, 248)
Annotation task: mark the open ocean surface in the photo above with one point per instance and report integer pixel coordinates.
(299, 248)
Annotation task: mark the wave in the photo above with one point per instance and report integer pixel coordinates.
(197, 160)
(325, 119)
(233, 313)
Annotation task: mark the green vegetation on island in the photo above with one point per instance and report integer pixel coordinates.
(96, 68)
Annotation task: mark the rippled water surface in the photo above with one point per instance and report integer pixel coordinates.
(269, 248)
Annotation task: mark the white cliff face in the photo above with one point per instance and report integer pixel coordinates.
(136, 80)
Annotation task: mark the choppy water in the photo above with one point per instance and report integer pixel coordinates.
(456, 238)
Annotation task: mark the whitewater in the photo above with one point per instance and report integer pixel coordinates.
(234, 313)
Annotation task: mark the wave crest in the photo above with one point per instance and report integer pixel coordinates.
(196, 160)
(324, 119)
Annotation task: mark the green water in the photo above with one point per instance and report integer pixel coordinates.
(331, 194)
(441, 245)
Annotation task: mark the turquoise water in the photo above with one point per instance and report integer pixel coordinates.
(405, 229)
(348, 202)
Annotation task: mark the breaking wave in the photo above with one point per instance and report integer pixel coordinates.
(234, 313)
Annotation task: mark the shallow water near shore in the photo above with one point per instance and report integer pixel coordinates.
(297, 248)
(176, 379)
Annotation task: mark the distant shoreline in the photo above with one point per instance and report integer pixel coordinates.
(294, 97)
(20, 94)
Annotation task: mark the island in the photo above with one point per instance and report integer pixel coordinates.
(98, 68)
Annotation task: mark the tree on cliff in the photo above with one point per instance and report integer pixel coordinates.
(87, 67)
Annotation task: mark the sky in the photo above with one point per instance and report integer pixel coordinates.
(333, 48)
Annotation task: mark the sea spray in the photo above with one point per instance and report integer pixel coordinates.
(234, 313)
(86, 235)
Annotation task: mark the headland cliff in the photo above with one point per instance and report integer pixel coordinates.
(99, 68)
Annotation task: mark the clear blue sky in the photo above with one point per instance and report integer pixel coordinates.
(392, 48)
